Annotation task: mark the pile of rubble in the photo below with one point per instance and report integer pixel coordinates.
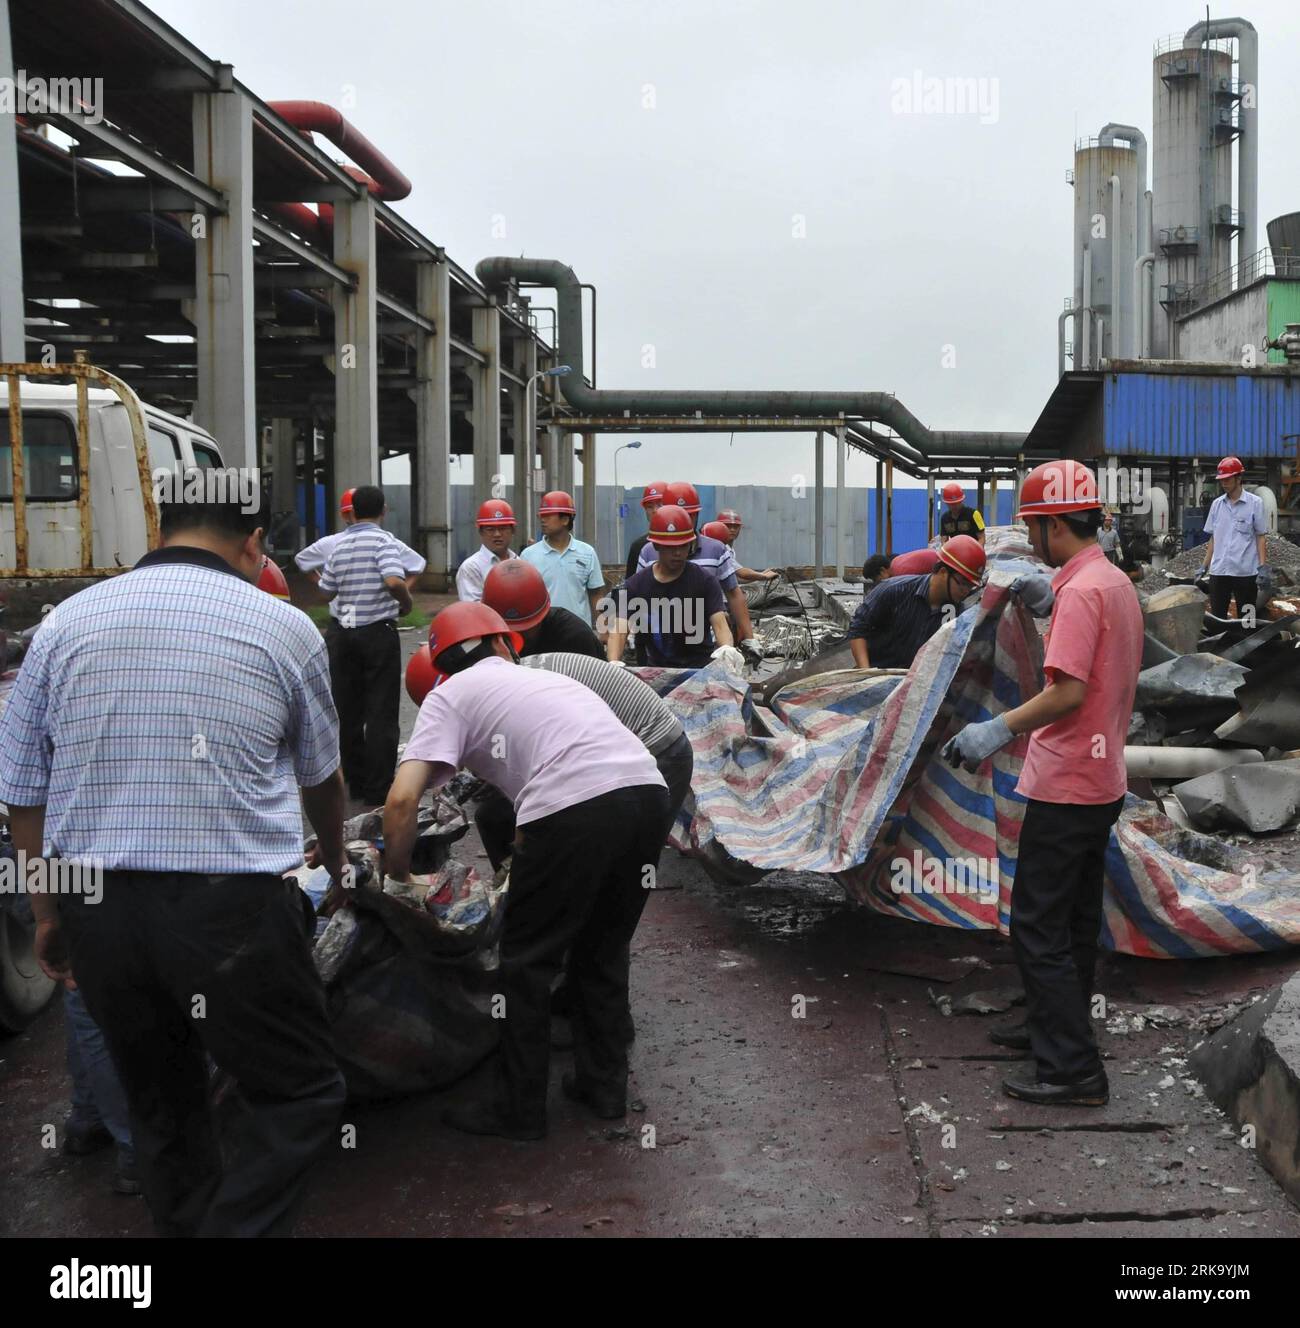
(1283, 558)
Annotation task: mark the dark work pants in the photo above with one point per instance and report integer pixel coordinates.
(172, 966)
(1244, 589)
(366, 679)
(578, 883)
(1055, 925)
(676, 764)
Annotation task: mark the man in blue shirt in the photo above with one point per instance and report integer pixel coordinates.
(569, 567)
(903, 612)
(1236, 556)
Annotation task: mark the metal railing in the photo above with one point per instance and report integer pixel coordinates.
(1256, 266)
(82, 374)
(1178, 42)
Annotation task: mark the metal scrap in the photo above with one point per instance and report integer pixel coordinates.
(1259, 798)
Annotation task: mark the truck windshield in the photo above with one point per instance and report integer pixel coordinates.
(49, 458)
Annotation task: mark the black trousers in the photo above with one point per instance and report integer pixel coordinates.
(1244, 589)
(172, 966)
(366, 679)
(578, 884)
(1055, 925)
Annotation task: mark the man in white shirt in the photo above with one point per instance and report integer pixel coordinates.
(313, 558)
(590, 809)
(496, 528)
(1236, 556)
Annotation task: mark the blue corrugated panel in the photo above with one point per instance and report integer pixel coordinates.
(1198, 415)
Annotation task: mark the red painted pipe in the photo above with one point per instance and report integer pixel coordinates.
(384, 179)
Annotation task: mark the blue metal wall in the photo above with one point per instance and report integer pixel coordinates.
(1170, 415)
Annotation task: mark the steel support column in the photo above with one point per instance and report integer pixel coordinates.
(284, 468)
(589, 488)
(356, 349)
(226, 403)
(879, 542)
(12, 345)
(929, 506)
(889, 507)
(819, 507)
(526, 450)
(564, 479)
(432, 475)
(487, 404)
(839, 501)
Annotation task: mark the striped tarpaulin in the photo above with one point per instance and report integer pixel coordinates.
(842, 776)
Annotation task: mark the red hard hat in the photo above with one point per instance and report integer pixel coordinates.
(916, 561)
(953, 493)
(464, 621)
(1057, 488)
(271, 579)
(717, 530)
(683, 495)
(515, 589)
(494, 512)
(730, 517)
(557, 503)
(965, 556)
(345, 503)
(671, 525)
(1229, 467)
(654, 492)
(421, 676)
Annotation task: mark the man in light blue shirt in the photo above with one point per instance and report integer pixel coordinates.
(569, 567)
(1236, 556)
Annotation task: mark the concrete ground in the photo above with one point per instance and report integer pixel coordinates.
(873, 1114)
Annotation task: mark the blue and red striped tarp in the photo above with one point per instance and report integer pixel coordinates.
(842, 776)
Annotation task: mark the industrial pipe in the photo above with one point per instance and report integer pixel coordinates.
(383, 180)
(1248, 121)
(1183, 762)
(1087, 311)
(1142, 210)
(1060, 338)
(1143, 286)
(883, 407)
(1116, 321)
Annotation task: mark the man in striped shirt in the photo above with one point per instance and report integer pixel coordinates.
(158, 733)
(313, 558)
(366, 585)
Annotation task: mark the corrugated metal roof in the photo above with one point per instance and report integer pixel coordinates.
(1202, 414)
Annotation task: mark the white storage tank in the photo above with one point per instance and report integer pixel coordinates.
(1104, 246)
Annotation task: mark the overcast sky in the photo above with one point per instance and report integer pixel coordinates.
(736, 178)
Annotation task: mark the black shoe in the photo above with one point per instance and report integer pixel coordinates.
(1015, 1036)
(1091, 1091)
(474, 1118)
(604, 1102)
(125, 1181)
(82, 1140)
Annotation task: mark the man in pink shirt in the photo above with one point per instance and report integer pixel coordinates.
(590, 806)
(1075, 780)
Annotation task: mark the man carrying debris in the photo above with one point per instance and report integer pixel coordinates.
(1236, 556)
(959, 519)
(902, 613)
(1108, 540)
(569, 567)
(517, 592)
(160, 728)
(586, 847)
(1074, 779)
(674, 606)
(496, 529)
(365, 582)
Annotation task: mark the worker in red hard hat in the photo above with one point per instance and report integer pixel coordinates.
(590, 805)
(729, 520)
(518, 593)
(1236, 554)
(653, 497)
(313, 558)
(717, 559)
(1075, 781)
(959, 518)
(674, 606)
(496, 531)
(570, 568)
(912, 562)
(421, 676)
(271, 579)
(903, 612)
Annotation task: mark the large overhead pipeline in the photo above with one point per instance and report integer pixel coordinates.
(881, 407)
(383, 179)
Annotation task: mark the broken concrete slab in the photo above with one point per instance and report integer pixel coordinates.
(1190, 678)
(1260, 797)
(1174, 616)
(988, 1002)
(1251, 1068)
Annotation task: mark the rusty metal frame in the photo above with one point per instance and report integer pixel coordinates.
(82, 374)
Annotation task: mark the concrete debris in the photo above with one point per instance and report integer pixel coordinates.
(1190, 678)
(1260, 797)
(1283, 557)
(1174, 616)
(988, 1002)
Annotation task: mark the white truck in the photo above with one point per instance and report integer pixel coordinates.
(77, 460)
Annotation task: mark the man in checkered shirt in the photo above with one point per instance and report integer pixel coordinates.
(160, 728)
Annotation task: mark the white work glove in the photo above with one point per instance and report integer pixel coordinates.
(752, 649)
(617, 663)
(732, 660)
(1035, 594)
(977, 742)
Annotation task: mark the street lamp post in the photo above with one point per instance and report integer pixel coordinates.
(530, 434)
(618, 495)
